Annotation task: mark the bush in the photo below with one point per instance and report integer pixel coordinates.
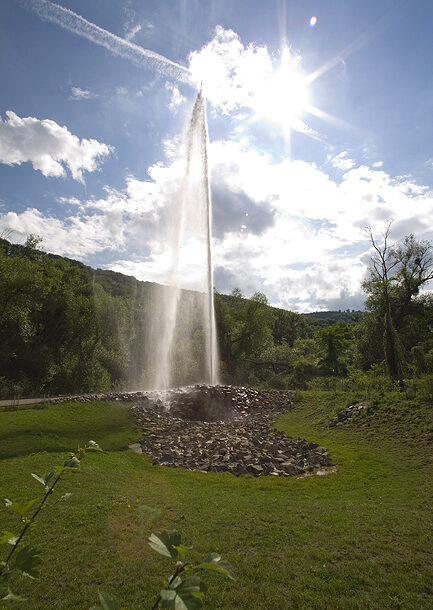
(277, 382)
(420, 389)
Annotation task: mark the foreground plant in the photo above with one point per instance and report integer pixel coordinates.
(187, 593)
(26, 560)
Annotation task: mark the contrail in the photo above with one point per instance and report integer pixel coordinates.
(69, 20)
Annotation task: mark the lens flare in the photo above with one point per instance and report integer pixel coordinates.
(313, 21)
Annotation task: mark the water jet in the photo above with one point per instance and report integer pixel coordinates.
(182, 347)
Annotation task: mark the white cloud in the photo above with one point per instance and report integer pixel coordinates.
(75, 236)
(82, 94)
(378, 164)
(132, 31)
(70, 200)
(343, 162)
(177, 99)
(310, 257)
(48, 147)
(132, 27)
(285, 227)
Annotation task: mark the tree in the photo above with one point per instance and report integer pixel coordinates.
(415, 266)
(246, 328)
(33, 241)
(289, 326)
(333, 340)
(396, 276)
(383, 262)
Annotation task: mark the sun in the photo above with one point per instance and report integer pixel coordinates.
(283, 97)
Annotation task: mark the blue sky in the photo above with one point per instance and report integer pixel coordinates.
(315, 132)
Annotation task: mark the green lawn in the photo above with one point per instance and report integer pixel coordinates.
(360, 538)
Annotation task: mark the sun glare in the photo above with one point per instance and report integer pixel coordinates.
(283, 97)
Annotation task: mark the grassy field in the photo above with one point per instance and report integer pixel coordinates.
(360, 538)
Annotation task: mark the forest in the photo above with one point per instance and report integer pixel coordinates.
(67, 328)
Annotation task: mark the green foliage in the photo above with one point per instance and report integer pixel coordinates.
(67, 328)
(33, 241)
(398, 320)
(27, 561)
(60, 330)
(185, 594)
(420, 388)
(334, 341)
(303, 371)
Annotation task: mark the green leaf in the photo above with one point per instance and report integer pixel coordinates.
(108, 602)
(167, 598)
(190, 594)
(175, 583)
(21, 507)
(193, 584)
(27, 561)
(12, 597)
(65, 497)
(38, 478)
(215, 563)
(92, 446)
(8, 538)
(158, 545)
(166, 543)
(72, 462)
(182, 551)
(44, 478)
(59, 470)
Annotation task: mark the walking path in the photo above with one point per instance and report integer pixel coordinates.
(22, 401)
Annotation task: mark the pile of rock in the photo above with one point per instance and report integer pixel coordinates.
(130, 396)
(347, 413)
(223, 429)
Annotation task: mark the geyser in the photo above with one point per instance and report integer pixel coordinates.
(182, 347)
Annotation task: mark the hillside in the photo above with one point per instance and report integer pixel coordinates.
(68, 328)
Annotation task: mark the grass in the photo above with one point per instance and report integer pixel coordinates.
(361, 538)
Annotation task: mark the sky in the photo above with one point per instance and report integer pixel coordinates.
(320, 124)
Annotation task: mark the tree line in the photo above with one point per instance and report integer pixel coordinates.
(67, 328)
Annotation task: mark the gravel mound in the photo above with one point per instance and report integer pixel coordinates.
(223, 429)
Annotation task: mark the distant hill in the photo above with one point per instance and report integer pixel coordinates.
(118, 284)
(65, 327)
(322, 318)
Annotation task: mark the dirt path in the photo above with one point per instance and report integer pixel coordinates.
(22, 402)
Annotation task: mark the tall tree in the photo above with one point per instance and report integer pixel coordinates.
(383, 263)
(333, 340)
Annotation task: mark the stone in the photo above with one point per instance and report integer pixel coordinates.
(290, 468)
(135, 447)
(255, 469)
